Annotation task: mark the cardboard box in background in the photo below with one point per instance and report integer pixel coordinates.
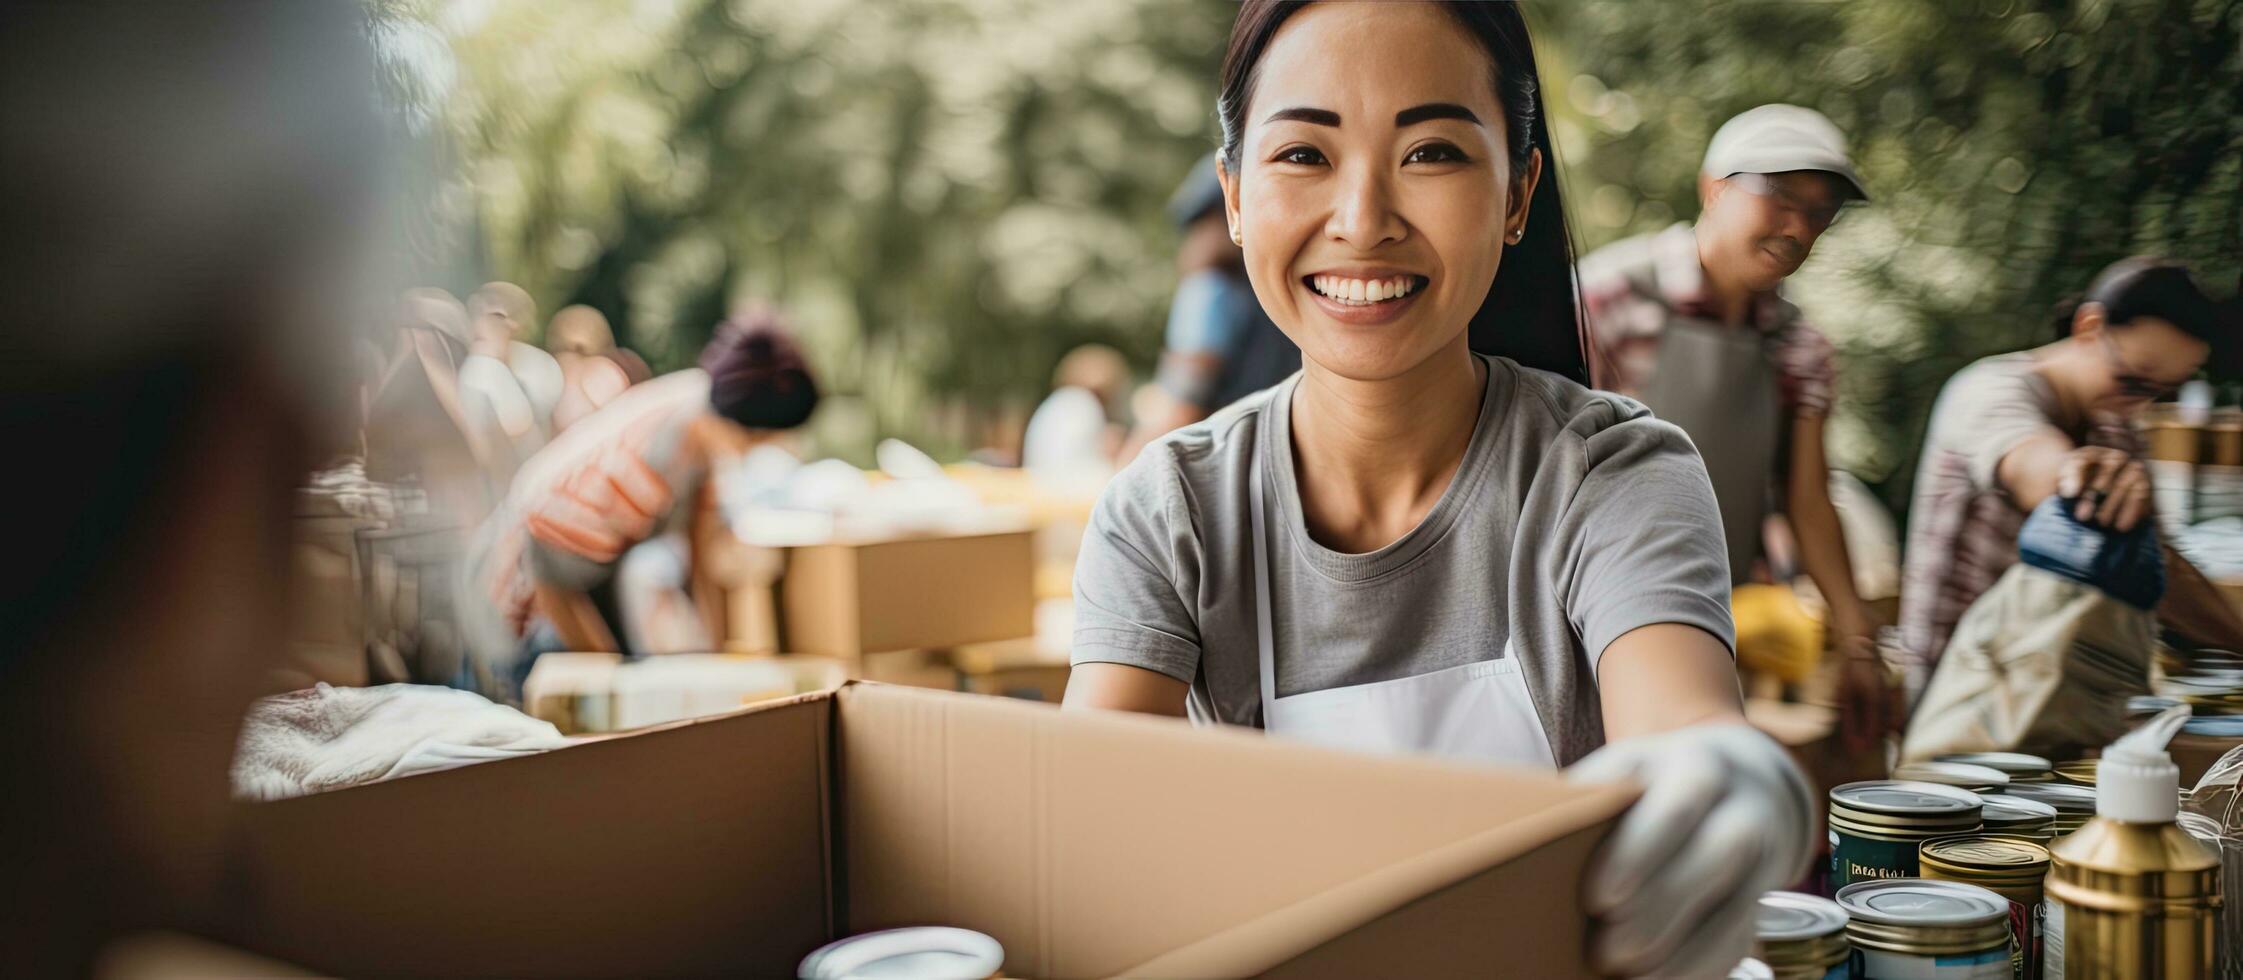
(845, 600)
(2195, 754)
(590, 693)
(1027, 669)
(1089, 844)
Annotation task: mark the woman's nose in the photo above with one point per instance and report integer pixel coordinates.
(1364, 215)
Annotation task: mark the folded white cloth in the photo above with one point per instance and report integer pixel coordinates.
(330, 737)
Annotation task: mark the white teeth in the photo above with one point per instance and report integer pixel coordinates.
(1359, 292)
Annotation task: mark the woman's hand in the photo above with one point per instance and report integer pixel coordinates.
(1724, 818)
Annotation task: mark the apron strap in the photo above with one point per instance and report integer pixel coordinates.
(1264, 637)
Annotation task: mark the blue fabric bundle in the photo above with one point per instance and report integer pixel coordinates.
(2129, 567)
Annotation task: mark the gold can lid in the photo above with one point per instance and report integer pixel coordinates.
(2017, 765)
(1960, 774)
(1982, 853)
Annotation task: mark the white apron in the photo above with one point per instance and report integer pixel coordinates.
(1476, 712)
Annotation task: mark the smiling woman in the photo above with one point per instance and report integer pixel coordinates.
(1413, 546)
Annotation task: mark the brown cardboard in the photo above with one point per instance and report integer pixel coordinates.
(2195, 754)
(1088, 844)
(845, 600)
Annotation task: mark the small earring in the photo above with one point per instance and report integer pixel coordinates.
(1237, 238)
(1516, 234)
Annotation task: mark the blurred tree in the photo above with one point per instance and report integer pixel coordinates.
(2013, 148)
(947, 195)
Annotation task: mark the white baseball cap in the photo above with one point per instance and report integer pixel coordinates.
(1777, 138)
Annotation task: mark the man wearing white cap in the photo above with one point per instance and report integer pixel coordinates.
(1689, 321)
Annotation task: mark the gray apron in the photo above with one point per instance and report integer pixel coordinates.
(1716, 384)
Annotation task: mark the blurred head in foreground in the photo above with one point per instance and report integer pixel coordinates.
(178, 334)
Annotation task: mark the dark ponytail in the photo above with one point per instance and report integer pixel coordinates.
(1532, 313)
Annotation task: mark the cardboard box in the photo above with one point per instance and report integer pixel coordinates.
(845, 600)
(589, 693)
(2195, 754)
(1089, 844)
(1026, 669)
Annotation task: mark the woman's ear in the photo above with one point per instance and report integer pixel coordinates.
(2087, 321)
(1230, 199)
(1522, 196)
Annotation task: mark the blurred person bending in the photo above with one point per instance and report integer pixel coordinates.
(1691, 321)
(194, 177)
(2012, 429)
(1220, 346)
(539, 576)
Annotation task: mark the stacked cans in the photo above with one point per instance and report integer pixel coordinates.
(1975, 778)
(1927, 930)
(1801, 937)
(1875, 826)
(2011, 867)
(2074, 804)
(2016, 816)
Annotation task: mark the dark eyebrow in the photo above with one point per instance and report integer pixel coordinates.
(1315, 117)
(1433, 110)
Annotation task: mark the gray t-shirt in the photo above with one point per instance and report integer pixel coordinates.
(1574, 518)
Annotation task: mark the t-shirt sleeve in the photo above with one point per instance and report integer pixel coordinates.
(1986, 414)
(1643, 536)
(1136, 565)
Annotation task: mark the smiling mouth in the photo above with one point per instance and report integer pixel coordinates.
(1364, 292)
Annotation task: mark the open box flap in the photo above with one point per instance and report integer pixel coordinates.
(694, 848)
(1094, 844)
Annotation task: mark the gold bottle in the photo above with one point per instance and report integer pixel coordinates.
(2131, 895)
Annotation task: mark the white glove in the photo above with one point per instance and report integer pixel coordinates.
(1725, 817)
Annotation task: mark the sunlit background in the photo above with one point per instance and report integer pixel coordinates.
(948, 195)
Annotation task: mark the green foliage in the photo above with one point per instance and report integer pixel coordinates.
(945, 195)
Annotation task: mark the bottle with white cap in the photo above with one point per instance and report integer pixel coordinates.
(2131, 894)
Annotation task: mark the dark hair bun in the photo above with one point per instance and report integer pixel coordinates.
(757, 376)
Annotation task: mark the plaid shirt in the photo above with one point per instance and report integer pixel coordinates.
(1634, 287)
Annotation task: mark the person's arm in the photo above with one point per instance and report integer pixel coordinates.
(1725, 813)
(578, 621)
(1666, 676)
(1863, 690)
(1120, 687)
(2115, 492)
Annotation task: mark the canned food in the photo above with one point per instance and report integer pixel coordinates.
(2075, 805)
(2079, 773)
(1926, 930)
(1876, 825)
(2019, 767)
(916, 951)
(2007, 866)
(1801, 937)
(2019, 817)
(1977, 779)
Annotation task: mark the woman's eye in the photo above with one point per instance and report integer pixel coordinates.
(1305, 156)
(1435, 153)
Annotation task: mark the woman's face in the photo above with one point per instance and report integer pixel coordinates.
(1374, 191)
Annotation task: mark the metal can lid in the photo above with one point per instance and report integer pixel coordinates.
(1751, 969)
(2008, 810)
(2082, 771)
(2065, 797)
(1980, 851)
(2014, 763)
(915, 951)
(1921, 902)
(1792, 916)
(1952, 774)
(1901, 796)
